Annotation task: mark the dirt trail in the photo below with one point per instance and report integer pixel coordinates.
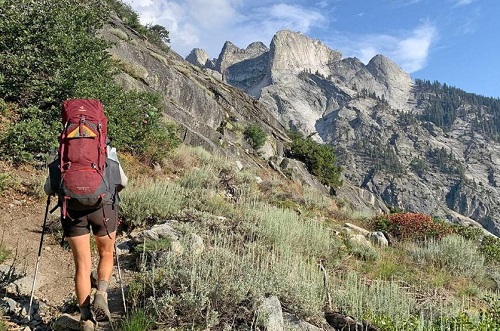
(21, 222)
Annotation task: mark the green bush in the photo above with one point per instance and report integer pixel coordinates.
(138, 320)
(206, 291)
(50, 52)
(154, 245)
(256, 135)
(468, 232)
(453, 253)
(6, 181)
(319, 158)
(46, 47)
(155, 34)
(361, 250)
(25, 140)
(125, 12)
(490, 248)
(150, 202)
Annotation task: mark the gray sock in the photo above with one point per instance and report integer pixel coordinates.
(102, 286)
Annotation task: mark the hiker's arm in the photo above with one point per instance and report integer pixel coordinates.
(113, 155)
(48, 187)
(123, 178)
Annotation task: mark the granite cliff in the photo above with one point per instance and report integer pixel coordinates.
(381, 123)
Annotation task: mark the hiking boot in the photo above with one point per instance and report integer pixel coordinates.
(88, 325)
(100, 306)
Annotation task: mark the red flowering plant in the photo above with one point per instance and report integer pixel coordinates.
(412, 226)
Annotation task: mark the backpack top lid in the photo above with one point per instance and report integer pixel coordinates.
(91, 109)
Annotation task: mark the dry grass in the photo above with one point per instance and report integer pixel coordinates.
(269, 238)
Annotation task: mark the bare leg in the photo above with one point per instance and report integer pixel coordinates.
(80, 246)
(106, 247)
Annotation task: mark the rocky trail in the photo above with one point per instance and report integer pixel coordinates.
(21, 222)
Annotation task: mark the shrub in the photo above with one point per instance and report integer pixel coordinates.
(415, 226)
(361, 250)
(125, 12)
(47, 46)
(150, 202)
(369, 299)
(490, 248)
(208, 290)
(256, 135)
(418, 166)
(4, 254)
(319, 158)
(6, 181)
(468, 232)
(50, 52)
(3, 324)
(155, 34)
(457, 255)
(154, 245)
(285, 230)
(24, 140)
(137, 321)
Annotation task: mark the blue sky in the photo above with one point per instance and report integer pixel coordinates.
(452, 41)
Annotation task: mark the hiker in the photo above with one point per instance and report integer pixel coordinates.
(77, 219)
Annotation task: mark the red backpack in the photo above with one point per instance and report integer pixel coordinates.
(82, 155)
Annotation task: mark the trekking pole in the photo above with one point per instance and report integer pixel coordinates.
(39, 256)
(120, 279)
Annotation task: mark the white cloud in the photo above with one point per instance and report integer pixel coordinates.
(208, 24)
(463, 2)
(412, 52)
(409, 50)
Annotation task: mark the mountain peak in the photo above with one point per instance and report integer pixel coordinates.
(382, 68)
(231, 54)
(198, 57)
(293, 51)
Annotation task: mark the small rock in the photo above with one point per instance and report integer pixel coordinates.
(292, 323)
(176, 248)
(124, 247)
(10, 304)
(25, 309)
(357, 229)
(361, 239)
(269, 314)
(23, 286)
(42, 308)
(196, 244)
(66, 322)
(159, 231)
(378, 238)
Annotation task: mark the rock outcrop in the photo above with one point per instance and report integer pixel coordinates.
(372, 115)
(212, 114)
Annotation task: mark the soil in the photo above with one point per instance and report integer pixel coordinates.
(21, 219)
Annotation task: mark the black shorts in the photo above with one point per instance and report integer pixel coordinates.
(103, 221)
